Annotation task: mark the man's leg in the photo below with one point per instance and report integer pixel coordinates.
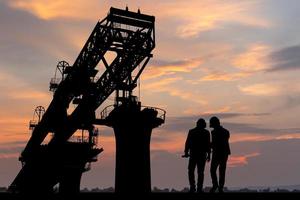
(200, 169)
(213, 172)
(191, 172)
(222, 172)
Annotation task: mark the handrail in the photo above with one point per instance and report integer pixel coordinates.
(161, 113)
(104, 113)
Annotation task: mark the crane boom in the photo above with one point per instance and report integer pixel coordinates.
(131, 36)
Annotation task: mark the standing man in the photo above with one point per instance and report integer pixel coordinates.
(197, 147)
(220, 153)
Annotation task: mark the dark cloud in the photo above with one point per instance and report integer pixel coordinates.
(258, 129)
(285, 59)
(12, 143)
(291, 101)
(11, 149)
(7, 148)
(186, 122)
(183, 124)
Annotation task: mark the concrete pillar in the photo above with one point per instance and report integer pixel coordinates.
(133, 127)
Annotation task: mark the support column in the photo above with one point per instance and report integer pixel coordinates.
(133, 128)
(70, 181)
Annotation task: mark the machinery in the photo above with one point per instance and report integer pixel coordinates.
(130, 37)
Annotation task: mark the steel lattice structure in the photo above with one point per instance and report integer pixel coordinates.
(131, 36)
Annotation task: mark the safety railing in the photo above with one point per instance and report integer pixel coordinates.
(105, 112)
(54, 82)
(161, 113)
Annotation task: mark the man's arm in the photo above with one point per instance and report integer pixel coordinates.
(208, 147)
(187, 145)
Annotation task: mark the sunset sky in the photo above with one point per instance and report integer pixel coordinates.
(238, 60)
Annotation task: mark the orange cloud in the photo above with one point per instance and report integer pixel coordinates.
(48, 9)
(288, 136)
(9, 155)
(189, 96)
(18, 96)
(29, 94)
(221, 76)
(11, 149)
(254, 59)
(260, 90)
(153, 86)
(223, 109)
(166, 85)
(184, 66)
(171, 144)
(13, 128)
(199, 16)
(250, 137)
(15, 88)
(241, 160)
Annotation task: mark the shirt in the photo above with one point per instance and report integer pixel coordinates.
(197, 142)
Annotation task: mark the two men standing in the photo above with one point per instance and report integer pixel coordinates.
(198, 148)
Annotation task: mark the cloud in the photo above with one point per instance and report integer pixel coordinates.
(15, 88)
(166, 85)
(224, 76)
(198, 16)
(184, 123)
(9, 155)
(153, 86)
(278, 134)
(48, 9)
(288, 136)
(29, 95)
(260, 90)
(260, 57)
(240, 160)
(193, 16)
(291, 101)
(13, 128)
(186, 95)
(158, 68)
(196, 111)
(250, 137)
(253, 59)
(287, 58)
(11, 149)
(240, 132)
(168, 141)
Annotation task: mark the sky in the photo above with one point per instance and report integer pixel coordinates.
(238, 60)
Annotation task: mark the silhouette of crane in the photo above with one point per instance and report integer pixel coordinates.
(61, 161)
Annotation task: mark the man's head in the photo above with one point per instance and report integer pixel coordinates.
(201, 123)
(214, 122)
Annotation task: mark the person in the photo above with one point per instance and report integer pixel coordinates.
(197, 148)
(220, 152)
